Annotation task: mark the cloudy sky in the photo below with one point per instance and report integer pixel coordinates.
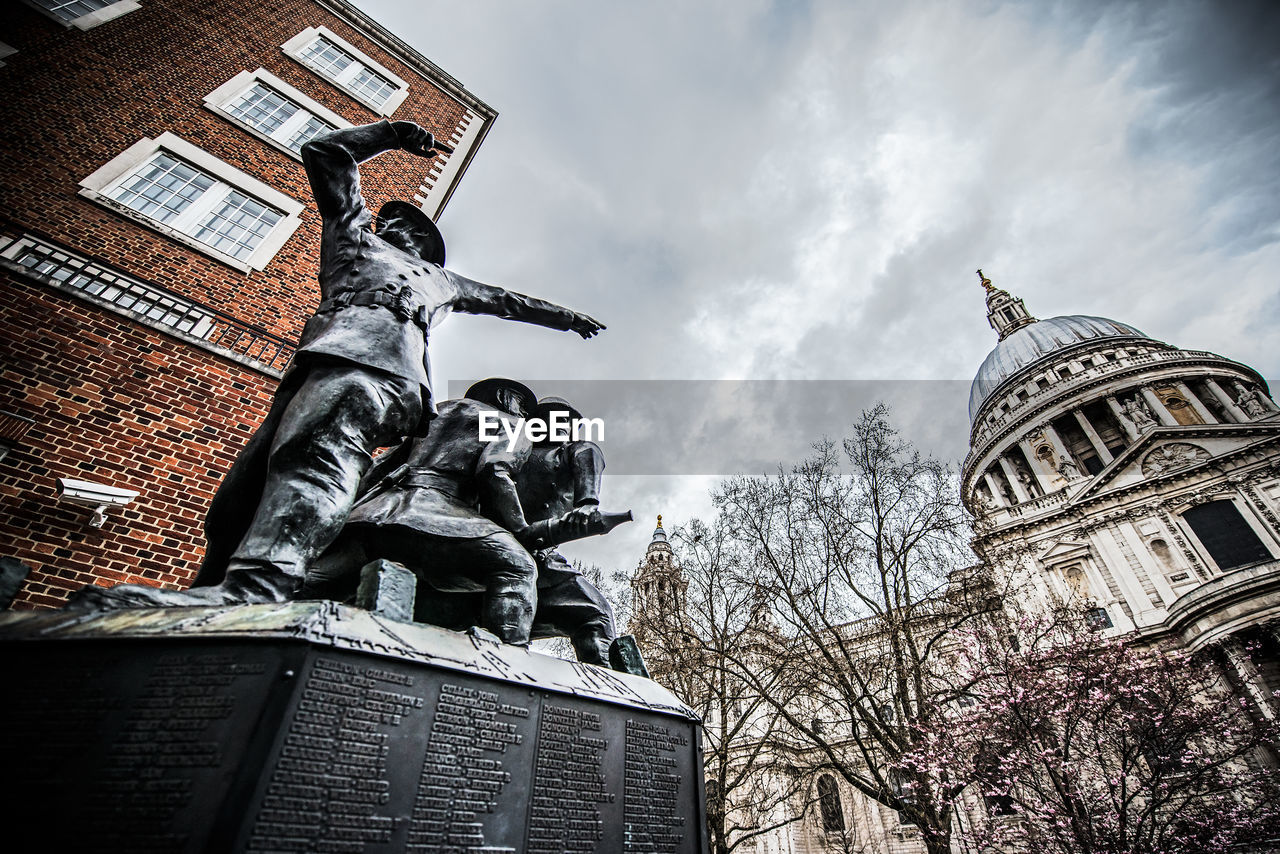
(771, 193)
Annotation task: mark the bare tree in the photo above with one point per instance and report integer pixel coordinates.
(836, 629)
(858, 554)
(693, 635)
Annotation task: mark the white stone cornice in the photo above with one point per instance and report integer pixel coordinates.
(1215, 609)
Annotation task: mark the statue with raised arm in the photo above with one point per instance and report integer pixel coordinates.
(359, 380)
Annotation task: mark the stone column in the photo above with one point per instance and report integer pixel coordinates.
(1129, 428)
(1249, 677)
(1045, 474)
(1054, 439)
(1011, 474)
(1154, 404)
(1226, 400)
(1061, 448)
(997, 494)
(1094, 438)
(1205, 415)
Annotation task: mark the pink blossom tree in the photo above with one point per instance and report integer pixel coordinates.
(1088, 744)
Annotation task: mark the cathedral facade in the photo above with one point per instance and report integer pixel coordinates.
(1137, 477)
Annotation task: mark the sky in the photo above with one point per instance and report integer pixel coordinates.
(777, 208)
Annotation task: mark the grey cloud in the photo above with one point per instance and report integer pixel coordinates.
(783, 191)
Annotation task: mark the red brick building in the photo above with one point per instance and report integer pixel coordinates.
(158, 250)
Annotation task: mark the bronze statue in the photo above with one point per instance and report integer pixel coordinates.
(561, 479)
(359, 380)
(432, 504)
(445, 506)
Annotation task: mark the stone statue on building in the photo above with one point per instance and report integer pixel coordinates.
(1137, 412)
(1126, 424)
(359, 380)
(1068, 469)
(1028, 482)
(1250, 400)
(985, 499)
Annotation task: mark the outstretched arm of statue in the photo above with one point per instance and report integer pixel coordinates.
(478, 298)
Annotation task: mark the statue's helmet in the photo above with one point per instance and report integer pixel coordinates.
(431, 241)
(548, 405)
(504, 394)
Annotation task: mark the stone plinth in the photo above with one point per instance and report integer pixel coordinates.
(316, 727)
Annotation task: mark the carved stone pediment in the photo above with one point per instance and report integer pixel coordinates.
(1170, 450)
(1172, 456)
(1064, 550)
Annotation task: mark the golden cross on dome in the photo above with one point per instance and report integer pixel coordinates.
(986, 283)
(659, 520)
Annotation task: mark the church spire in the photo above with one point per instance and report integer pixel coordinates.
(1005, 313)
(659, 535)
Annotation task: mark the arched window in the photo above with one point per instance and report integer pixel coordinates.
(1226, 535)
(829, 803)
(1076, 580)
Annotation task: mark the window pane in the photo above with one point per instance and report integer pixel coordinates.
(162, 188)
(829, 802)
(69, 10)
(1226, 535)
(238, 225)
(262, 109)
(372, 86)
(326, 57)
(310, 129)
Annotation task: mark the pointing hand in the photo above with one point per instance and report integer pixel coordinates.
(585, 325)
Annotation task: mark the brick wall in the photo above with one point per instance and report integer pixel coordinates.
(113, 401)
(117, 403)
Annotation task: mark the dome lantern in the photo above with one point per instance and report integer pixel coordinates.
(1005, 312)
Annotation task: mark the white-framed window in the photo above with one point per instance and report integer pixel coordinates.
(85, 14)
(343, 64)
(183, 191)
(272, 110)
